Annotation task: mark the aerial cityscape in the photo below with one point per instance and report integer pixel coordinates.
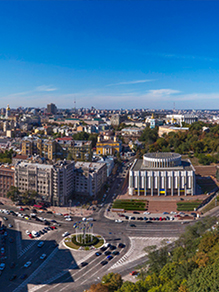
(109, 146)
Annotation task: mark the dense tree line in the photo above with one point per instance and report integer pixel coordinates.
(6, 157)
(190, 265)
(26, 198)
(202, 144)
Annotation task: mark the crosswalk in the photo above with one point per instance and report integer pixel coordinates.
(23, 251)
(132, 255)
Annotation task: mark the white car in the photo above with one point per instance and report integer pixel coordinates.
(118, 221)
(65, 234)
(27, 264)
(43, 256)
(68, 219)
(27, 232)
(147, 213)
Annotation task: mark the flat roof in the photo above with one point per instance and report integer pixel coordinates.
(185, 165)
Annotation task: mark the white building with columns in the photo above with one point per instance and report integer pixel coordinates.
(162, 174)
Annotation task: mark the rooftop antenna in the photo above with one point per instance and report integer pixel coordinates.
(174, 106)
(75, 104)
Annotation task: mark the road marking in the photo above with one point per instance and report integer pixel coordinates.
(21, 286)
(49, 281)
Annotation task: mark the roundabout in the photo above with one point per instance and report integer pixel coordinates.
(83, 238)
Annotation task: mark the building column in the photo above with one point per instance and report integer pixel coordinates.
(179, 185)
(145, 185)
(158, 185)
(152, 186)
(165, 184)
(172, 179)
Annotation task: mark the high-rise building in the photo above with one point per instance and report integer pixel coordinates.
(51, 108)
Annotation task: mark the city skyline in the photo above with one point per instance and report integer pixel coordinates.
(109, 54)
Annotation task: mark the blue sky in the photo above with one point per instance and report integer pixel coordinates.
(110, 54)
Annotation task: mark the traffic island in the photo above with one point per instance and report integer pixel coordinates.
(78, 242)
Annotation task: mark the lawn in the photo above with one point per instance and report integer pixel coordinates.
(133, 205)
(211, 205)
(188, 206)
(68, 242)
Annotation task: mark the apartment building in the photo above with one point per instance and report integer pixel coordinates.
(80, 150)
(89, 178)
(6, 179)
(48, 149)
(53, 182)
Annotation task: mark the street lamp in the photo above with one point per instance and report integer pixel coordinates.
(70, 201)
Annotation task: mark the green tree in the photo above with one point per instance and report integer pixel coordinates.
(13, 194)
(112, 281)
(98, 288)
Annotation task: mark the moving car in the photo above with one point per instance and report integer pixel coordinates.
(43, 256)
(118, 221)
(24, 276)
(83, 264)
(121, 245)
(65, 234)
(27, 264)
(40, 244)
(13, 277)
(98, 254)
(103, 263)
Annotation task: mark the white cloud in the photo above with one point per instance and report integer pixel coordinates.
(45, 88)
(163, 92)
(131, 82)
